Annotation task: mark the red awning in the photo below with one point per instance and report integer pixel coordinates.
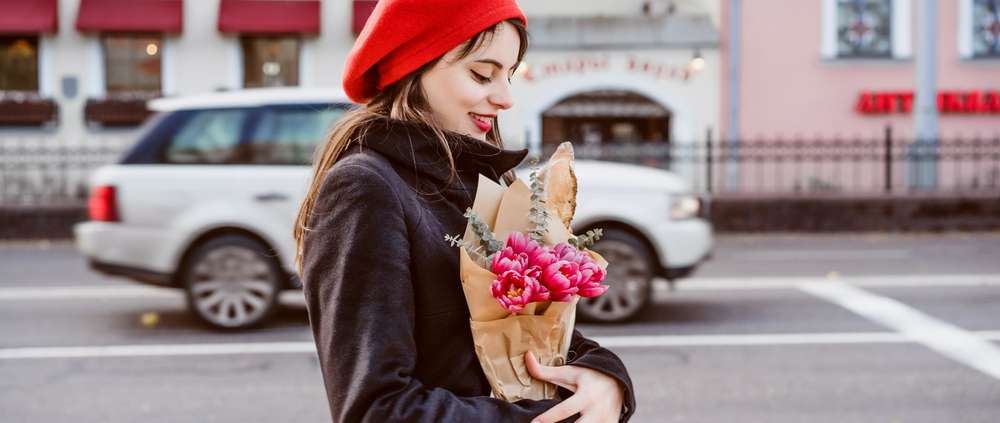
(28, 16)
(362, 11)
(131, 15)
(269, 16)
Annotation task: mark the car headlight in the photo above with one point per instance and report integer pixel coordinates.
(684, 206)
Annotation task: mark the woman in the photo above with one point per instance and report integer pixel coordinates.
(382, 286)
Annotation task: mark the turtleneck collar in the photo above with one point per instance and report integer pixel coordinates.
(414, 146)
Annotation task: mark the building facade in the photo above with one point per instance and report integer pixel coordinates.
(627, 71)
(845, 68)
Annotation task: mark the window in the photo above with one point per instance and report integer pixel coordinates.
(19, 63)
(863, 28)
(208, 137)
(132, 63)
(867, 29)
(288, 136)
(270, 61)
(986, 28)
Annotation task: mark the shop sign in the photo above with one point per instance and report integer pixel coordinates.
(590, 63)
(948, 102)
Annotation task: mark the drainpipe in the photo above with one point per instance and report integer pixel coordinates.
(732, 173)
(925, 113)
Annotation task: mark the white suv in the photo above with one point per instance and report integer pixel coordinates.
(206, 200)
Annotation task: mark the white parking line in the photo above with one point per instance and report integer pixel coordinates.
(111, 292)
(159, 350)
(947, 339)
(85, 292)
(793, 255)
(889, 281)
(693, 284)
(607, 341)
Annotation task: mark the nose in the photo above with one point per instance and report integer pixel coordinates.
(501, 96)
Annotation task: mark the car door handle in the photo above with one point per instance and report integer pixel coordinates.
(271, 196)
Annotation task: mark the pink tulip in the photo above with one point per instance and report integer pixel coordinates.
(542, 258)
(506, 259)
(521, 243)
(569, 253)
(513, 290)
(561, 279)
(592, 276)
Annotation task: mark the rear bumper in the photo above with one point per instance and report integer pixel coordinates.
(126, 246)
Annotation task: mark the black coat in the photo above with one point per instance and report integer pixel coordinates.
(383, 290)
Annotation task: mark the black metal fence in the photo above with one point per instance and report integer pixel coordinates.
(818, 167)
(44, 172)
(36, 171)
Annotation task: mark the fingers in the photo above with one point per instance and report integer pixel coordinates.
(564, 376)
(561, 411)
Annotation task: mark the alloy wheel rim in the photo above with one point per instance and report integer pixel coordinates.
(232, 286)
(628, 276)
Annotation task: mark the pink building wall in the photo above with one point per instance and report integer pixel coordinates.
(789, 90)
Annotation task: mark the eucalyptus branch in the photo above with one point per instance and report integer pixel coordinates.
(537, 213)
(586, 240)
(475, 252)
(481, 231)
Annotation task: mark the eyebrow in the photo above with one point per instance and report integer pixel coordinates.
(494, 63)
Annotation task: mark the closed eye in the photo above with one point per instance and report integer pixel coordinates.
(482, 79)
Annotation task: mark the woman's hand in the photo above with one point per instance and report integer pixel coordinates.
(596, 396)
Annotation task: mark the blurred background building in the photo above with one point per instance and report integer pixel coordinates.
(766, 97)
(845, 68)
(611, 71)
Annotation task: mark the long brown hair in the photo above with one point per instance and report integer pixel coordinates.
(402, 100)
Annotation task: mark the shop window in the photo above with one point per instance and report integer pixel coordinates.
(864, 28)
(20, 102)
(19, 63)
(986, 28)
(132, 63)
(270, 61)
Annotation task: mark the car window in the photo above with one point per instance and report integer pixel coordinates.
(208, 137)
(288, 136)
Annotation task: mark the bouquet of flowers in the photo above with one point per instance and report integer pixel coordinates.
(522, 293)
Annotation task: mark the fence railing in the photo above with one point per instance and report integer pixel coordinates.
(44, 172)
(818, 167)
(37, 171)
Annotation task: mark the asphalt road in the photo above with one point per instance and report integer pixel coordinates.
(782, 328)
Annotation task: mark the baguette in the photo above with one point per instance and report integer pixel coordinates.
(559, 182)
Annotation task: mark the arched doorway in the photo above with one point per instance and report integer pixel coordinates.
(599, 117)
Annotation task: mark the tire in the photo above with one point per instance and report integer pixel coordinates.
(230, 283)
(630, 279)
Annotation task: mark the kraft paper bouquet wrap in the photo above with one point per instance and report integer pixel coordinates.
(522, 293)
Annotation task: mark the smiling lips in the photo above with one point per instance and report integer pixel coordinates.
(482, 121)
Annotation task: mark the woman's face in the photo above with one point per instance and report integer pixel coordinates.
(466, 94)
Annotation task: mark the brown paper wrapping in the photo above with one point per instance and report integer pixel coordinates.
(502, 338)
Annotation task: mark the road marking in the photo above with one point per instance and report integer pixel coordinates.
(947, 339)
(891, 281)
(607, 341)
(694, 284)
(159, 350)
(86, 292)
(792, 255)
(113, 292)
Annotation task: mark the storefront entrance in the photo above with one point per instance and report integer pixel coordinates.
(605, 117)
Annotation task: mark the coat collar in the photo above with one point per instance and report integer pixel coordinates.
(414, 146)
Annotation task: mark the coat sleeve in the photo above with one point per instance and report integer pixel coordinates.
(360, 299)
(584, 352)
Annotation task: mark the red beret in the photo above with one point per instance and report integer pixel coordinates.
(403, 35)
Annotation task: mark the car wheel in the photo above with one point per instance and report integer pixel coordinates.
(629, 279)
(231, 283)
